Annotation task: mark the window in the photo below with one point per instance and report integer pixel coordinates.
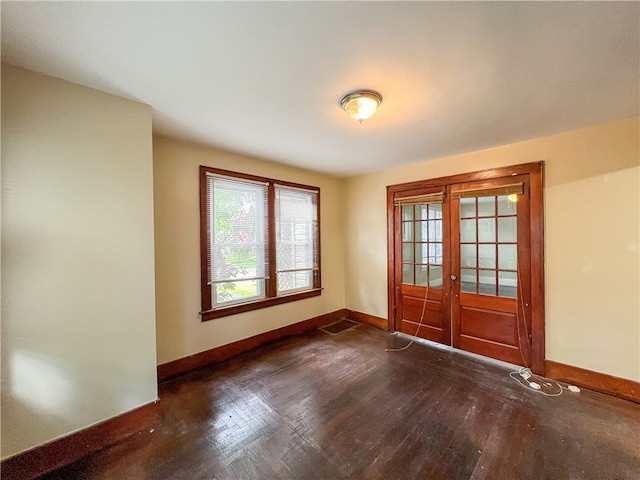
(259, 242)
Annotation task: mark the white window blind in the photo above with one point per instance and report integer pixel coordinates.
(237, 238)
(296, 238)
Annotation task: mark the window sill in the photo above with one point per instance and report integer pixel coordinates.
(258, 304)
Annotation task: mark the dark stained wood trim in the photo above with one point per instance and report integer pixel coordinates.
(600, 382)
(58, 453)
(455, 294)
(209, 357)
(263, 303)
(367, 319)
(204, 242)
(524, 318)
(392, 300)
(536, 231)
(256, 178)
(317, 278)
(487, 174)
(447, 283)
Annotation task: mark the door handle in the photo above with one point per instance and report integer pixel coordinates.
(454, 277)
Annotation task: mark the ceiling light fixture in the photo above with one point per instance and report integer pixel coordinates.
(361, 104)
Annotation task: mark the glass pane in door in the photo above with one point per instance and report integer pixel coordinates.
(467, 208)
(507, 284)
(486, 229)
(407, 232)
(435, 276)
(435, 211)
(486, 206)
(407, 273)
(407, 252)
(507, 231)
(468, 280)
(487, 255)
(468, 230)
(487, 282)
(506, 205)
(507, 256)
(421, 275)
(468, 255)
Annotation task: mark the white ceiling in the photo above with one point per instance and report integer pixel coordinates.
(265, 79)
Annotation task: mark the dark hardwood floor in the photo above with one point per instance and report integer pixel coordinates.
(319, 406)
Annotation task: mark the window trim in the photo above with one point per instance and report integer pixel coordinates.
(208, 312)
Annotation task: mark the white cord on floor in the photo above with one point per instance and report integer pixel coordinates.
(527, 379)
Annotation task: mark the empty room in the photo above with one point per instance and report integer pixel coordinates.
(320, 240)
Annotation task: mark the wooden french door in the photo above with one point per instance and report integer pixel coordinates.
(490, 261)
(421, 270)
(466, 262)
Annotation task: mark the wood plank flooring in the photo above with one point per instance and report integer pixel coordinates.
(321, 406)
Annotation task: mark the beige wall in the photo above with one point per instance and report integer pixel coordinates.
(180, 332)
(591, 239)
(78, 329)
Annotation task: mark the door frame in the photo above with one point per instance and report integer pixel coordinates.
(535, 171)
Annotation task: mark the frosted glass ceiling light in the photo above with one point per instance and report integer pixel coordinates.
(361, 104)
